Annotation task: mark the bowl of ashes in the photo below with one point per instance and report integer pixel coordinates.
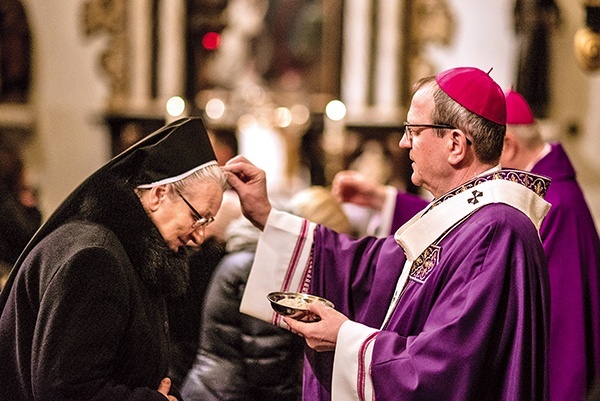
(295, 305)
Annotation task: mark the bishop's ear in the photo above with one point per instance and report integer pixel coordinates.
(458, 144)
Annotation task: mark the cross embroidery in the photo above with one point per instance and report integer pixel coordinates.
(474, 199)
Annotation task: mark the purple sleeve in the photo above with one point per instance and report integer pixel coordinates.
(346, 270)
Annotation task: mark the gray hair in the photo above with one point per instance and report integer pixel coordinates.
(528, 134)
(212, 173)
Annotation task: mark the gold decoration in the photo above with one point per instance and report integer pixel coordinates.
(587, 49)
(110, 16)
(429, 21)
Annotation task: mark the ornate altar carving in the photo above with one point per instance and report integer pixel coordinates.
(312, 34)
(587, 39)
(110, 17)
(428, 22)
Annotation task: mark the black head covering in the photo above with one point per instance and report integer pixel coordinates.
(169, 154)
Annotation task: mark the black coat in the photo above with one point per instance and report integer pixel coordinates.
(85, 317)
(240, 357)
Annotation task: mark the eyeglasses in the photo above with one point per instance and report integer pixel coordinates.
(200, 221)
(407, 129)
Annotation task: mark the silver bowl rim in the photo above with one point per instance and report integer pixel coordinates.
(303, 295)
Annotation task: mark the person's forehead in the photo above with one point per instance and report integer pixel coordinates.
(421, 106)
(204, 191)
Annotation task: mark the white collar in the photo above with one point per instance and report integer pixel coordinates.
(501, 186)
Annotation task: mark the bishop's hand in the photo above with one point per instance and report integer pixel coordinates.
(321, 335)
(250, 183)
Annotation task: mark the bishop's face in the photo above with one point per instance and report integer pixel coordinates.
(429, 152)
(181, 218)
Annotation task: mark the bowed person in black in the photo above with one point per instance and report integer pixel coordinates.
(83, 314)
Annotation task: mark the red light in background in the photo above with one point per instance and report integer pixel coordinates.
(211, 40)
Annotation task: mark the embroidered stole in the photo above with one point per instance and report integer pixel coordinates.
(420, 236)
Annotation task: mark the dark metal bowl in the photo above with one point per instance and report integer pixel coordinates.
(295, 305)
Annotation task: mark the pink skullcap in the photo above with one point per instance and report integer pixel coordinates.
(517, 109)
(476, 91)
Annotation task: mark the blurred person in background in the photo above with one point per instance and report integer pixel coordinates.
(387, 208)
(572, 249)
(240, 357)
(19, 213)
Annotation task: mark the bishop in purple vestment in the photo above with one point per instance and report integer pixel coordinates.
(569, 237)
(455, 306)
(572, 248)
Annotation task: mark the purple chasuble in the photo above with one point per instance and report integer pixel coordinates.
(572, 248)
(470, 324)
